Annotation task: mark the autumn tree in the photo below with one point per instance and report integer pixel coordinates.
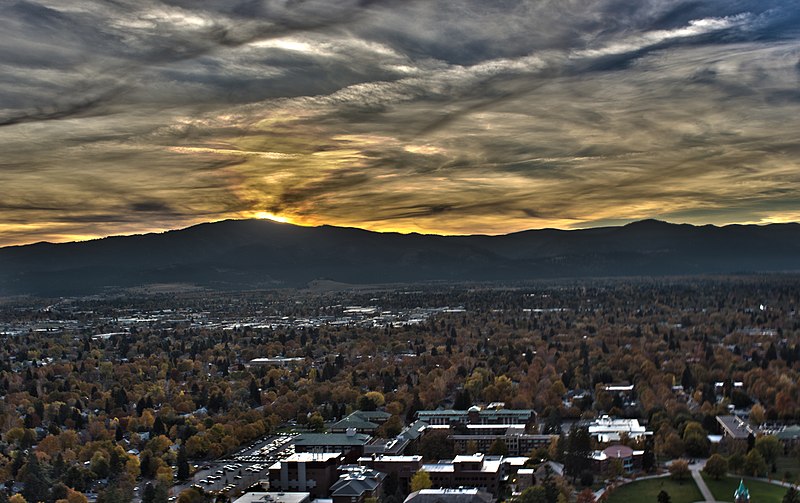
(716, 467)
(679, 470)
(420, 480)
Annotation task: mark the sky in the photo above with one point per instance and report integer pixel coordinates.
(434, 116)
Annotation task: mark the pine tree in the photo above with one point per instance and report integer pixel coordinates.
(183, 463)
(37, 483)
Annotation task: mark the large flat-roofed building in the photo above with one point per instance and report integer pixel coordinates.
(734, 427)
(350, 444)
(476, 415)
(477, 470)
(458, 495)
(277, 361)
(606, 429)
(312, 472)
(274, 497)
(480, 438)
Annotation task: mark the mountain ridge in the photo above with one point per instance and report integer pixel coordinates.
(237, 254)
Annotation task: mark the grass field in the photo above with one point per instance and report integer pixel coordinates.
(646, 491)
(788, 464)
(760, 492)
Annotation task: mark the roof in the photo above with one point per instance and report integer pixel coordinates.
(353, 421)
(311, 439)
(618, 451)
(789, 433)
(734, 426)
(305, 457)
(274, 497)
(741, 492)
(372, 415)
(460, 495)
(356, 481)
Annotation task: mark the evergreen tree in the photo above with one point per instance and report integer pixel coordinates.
(37, 483)
(791, 496)
(183, 463)
(255, 393)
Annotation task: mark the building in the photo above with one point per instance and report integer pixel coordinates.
(403, 466)
(361, 422)
(278, 361)
(603, 461)
(350, 445)
(273, 497)
(606, 429)
(477, 470)
(476, 415)
(459, 495)
(734, 427)
(481, 438)
(356, 484)
(312, 472)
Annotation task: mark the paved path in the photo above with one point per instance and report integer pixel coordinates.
(701, 484)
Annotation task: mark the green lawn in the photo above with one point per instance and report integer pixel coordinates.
(787, 464)
(646, 491)
(760, 492)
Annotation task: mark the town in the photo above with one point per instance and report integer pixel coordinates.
(549, 392)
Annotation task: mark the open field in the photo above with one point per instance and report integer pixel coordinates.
(646, 491)
(760, 492)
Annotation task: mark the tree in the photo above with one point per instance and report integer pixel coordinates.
(436, 445)
(679, 469)
(190, 495)
(316, 423)
(663, 496)
(770, 448)
(37, 484)
(535, 494)
(420, 480)
(183, 463)
(498, 448)
(754, 464)
(579, 445)
(716, 467)
(255, 393)
(791, 496)
(585, 496)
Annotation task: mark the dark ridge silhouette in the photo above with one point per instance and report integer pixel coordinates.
(241, 254)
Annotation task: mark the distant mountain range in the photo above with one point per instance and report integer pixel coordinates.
(243, 254)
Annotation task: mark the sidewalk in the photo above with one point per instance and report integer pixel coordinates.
(701, 484)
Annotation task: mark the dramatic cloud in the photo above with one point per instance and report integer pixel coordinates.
(458, 116)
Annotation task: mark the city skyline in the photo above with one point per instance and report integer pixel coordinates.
(448, 117)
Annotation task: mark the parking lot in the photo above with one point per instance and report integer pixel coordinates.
(246, 467)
